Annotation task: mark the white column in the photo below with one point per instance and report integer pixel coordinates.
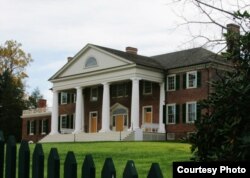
(79, 116)
(135, 107)
(162, 102)
(105, 108)
(54, 115)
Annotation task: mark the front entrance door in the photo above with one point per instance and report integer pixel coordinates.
(93, 122)
(119, 123)
(148, 118)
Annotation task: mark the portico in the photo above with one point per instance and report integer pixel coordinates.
(104, 80)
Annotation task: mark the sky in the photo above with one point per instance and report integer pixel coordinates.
(52, 30)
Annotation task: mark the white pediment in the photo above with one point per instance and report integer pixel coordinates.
(104, 60)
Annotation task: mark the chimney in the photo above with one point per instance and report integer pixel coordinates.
(42, 103)
(70, 58)
(131, 50)
(233, 33)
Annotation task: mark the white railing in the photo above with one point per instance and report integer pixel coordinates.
(37, 111)
(150, 127)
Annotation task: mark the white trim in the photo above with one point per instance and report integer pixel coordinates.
(195, 117)
(42, 131)
(172, 75)
(30, 124)
(187, 79)
(62, 115)
(90, 114)
(113, 108)
(61, 99)
(174, 105)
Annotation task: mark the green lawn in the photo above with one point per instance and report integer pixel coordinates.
(142, 153)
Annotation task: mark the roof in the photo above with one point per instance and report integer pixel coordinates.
(188, 57)
(138, 59)
(194, 56)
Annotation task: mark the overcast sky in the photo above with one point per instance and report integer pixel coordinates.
(52, 30)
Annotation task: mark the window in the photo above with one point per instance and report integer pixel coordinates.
(32, 127)
(94, 93)
(64, 98)
(191, 112)
(67, 121)
(192, 79)
(171, 82)
(44, 126)
(171, 114)
(119, 90)
(147, 87)
(63, 121)
(91, 62)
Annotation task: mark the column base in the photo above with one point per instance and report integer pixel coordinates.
(77, 131)
(138, 134)
(104, 130)
(161, 128)
(53, 133)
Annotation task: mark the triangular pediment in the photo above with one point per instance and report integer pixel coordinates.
(90, 59)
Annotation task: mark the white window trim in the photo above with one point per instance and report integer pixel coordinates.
(187, 79)
(31, 133)
(61, 116)
(90, 113)
(143, 113)
(43, 132)
(187, 119)
(151, 85)
(86, 67)
(91, 97)
(172, 75)
(62, 93)
(174, 113)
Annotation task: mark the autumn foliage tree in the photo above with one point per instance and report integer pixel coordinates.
(13, 61)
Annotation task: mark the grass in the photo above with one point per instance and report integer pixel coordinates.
(142, 153)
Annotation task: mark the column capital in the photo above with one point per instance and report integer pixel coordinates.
(79, 87)
(105, 83)
(135, 78)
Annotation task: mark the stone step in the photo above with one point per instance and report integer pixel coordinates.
(86, 137)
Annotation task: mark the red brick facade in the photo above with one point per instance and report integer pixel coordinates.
(184, 95)
(38, 134)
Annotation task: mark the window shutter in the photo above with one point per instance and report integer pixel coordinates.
(184, 82)
(28, 127)
(40, 126)
(177, 82)
(166, 82)
(164, 113)
(72, 121)
(59, 98)
(198, 79)
(68, 122)
(198, 111)
(184, 113)
(177, 113)
(68, 98)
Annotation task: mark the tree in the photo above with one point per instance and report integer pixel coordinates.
(34, 97)
(13, 61)
(223, 132)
